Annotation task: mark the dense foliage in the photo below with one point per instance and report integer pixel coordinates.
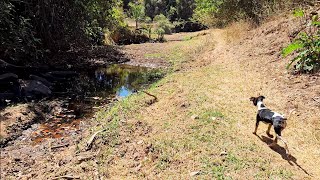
(307, 45)
(31, 29)
(222, 12)
(172, 9)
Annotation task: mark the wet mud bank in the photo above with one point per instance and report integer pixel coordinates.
(75, 99)
(33, 133)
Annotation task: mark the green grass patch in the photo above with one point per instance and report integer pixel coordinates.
(213, 168)
(154, 55)
(187, 38)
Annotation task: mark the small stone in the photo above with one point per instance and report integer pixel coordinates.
(194, 117)
(24, 113)
(140, 142)
(138, 168)
(194, 173)
(223, 153)
(71, 116)
(213, 118)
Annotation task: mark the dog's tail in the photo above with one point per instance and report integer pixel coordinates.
(292, 111)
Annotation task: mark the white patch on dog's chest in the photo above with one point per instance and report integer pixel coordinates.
(259, 104)
(277, 114)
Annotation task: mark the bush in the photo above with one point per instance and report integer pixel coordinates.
(307, 46)
(17, 36)
(160, 32)
(163, 23)
(32, 29)
(124, 36)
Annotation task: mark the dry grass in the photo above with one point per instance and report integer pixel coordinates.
(212, 80)
(214, 86)
(236, 31)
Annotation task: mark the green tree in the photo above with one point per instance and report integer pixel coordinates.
(136, 12)
(185, 9)
(206, 10)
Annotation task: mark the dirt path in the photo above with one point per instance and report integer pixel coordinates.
(201, 126)
(203, 121)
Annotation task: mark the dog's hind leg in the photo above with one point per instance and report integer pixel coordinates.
(277, 130)
(257, 124)
(285, 144)
(268, 131)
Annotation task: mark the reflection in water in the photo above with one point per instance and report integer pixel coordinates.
(121, 80)
(88, 92)
(124, 92)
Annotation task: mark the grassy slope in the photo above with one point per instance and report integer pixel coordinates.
(213, 80)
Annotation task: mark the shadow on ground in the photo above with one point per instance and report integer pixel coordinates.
(282, 151)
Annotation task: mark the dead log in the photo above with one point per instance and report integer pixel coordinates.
(4, 64)
(41, 79)
(8, 77)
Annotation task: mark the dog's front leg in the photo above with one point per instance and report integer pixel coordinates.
(257, 124)
(268, 131)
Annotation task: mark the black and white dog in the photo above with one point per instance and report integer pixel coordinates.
(278, 121)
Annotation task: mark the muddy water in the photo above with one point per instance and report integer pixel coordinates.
(79, 98)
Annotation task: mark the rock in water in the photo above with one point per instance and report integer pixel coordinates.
(41, 79)
(34, 88)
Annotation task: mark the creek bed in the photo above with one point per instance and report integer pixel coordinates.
(77, 99)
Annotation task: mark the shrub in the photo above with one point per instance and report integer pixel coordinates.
(306, 45)
(160, 32)
(162, 22)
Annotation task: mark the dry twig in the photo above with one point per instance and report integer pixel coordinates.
(91, 140)
(66, 177)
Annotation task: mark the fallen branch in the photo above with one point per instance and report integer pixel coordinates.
(60, 146)
(315, 99)
(155, 97)
(67, 177)
(91, 140)
(4, 64)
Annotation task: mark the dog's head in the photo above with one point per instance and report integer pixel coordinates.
(255, 100)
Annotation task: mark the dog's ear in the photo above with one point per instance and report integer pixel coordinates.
(262, 97)
(252, 98)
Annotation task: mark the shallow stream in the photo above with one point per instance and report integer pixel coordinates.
(76, 99)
